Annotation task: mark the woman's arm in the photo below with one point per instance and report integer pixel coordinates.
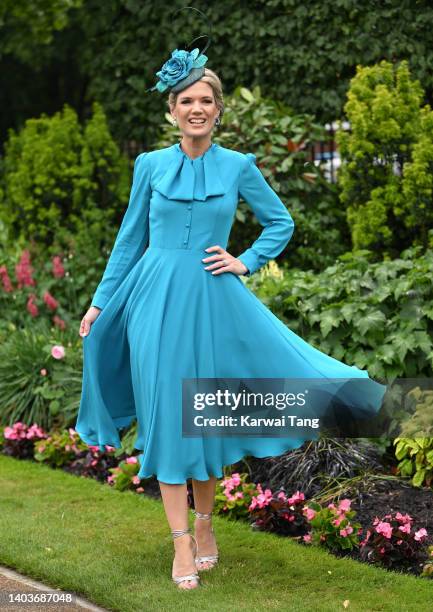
(278, 225)
(133, 235)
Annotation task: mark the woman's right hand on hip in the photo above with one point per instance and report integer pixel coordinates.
(91, 315)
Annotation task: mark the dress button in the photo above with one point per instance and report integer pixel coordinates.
(187, 225)
(185, 241)
(189, 207)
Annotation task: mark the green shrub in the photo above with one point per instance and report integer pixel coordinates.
(415, 457)
(60, 179)
(387, 160)
(281, 140)
(376, 316)
(35, 386)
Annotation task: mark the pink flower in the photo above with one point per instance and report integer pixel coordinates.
(309, 513)
(307, 538)
(344, 505)
(50, 301)
(322, 537)
(24, 271)
(405, 528)
(332, 507)
(382, 550)
(93, 448)
(131, 460)
(139, 490)
(420, 535)
(385, 529)
(58, 269)
(109, 449)
(136, 480)
(337, 521)
(236, 479)
(43, 372)
(403, 518)
(399, 542)
(295, 498)
(110, 479)
(281, 495)
(347, 531)
(58, 351)
(7, 285)
(239, 494)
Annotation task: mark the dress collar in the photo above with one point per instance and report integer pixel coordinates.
(180, 181)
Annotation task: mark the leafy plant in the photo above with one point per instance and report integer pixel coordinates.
(278, 513)
(233, 496)
(316, 464)
(35, 385)
(415, 457)
(125, 475)
(392, 540)
(386, 174)
(19, 440)
(332, 526)
(376, 316)
(59, 448)
(61, 179)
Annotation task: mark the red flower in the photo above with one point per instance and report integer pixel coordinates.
(50, 301)
(58, 269)
(24, 271)
(7, 285)
(31, 306)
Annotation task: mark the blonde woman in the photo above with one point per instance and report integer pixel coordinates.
(171, 306)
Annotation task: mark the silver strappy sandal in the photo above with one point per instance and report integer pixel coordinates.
(213, 559)
(176, 533)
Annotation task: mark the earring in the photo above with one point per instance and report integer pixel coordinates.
(217, 121)
(174, 122)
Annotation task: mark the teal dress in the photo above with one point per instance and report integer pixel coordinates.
(165, 318)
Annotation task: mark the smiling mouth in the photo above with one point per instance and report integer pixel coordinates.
(197, 122)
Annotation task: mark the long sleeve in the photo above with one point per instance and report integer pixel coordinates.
(133, 235)
(278, 225)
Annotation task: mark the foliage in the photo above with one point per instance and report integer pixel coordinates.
(386, 174)
(278, 513)
(234, 495)
(59, 448)
(282, 142)
(392, 540)
(111, 51)
(35, 385)
(125, 475)
(419, 418)
(56, 290)
(315, 464)
(26, 25)
(376, 316)
(19, 440)
(415, 457)
(332, 526)
(427, 570)
(60, 178)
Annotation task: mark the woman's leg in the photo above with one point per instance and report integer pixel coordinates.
(174, 497)
(204, 499)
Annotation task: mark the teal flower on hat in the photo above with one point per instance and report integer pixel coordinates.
(178, 67)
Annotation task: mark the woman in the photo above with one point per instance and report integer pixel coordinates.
(171, 306)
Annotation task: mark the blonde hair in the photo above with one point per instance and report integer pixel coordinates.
(214, 81)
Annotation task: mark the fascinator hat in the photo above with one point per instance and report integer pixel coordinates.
(185, 66)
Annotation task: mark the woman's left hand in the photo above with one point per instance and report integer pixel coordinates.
(224, 262)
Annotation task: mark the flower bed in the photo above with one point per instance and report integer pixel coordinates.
(387, 522)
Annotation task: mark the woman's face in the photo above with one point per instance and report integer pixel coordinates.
(195, 110)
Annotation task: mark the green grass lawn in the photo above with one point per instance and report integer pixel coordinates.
(115, 548)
